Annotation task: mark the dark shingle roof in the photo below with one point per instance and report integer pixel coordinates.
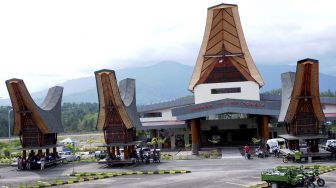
(127, 94)
(168, 104)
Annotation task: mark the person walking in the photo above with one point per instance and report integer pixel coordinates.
(247, 152)
(276, 151)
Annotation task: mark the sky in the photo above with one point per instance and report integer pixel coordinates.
(49, 42)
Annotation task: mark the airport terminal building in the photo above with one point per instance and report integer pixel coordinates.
(225, 107)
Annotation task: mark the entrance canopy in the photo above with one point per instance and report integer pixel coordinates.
(271, 108)
(305, 137)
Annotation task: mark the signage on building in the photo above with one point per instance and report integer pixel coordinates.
(222, 104)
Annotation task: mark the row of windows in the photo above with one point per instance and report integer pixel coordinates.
(151, 115)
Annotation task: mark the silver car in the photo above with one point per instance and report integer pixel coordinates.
(68, 156)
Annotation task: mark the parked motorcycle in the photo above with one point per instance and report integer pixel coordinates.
(146, 155)
(260, 153)
(156, 156)
(314, 176)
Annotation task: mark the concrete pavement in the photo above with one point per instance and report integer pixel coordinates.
(228, 172)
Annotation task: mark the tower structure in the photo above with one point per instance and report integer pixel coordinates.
(36, 126)
(224, 66)
(117, 117)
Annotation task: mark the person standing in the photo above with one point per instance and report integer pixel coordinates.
(42, 162)
(19, 162)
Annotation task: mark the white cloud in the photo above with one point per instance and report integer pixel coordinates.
(48, 42)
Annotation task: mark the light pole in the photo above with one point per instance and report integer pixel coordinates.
(10, 109)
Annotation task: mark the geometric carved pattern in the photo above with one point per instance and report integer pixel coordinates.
(305, 112)
(36, 126)
(224, 55)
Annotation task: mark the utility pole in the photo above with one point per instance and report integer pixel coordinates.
(10, 109)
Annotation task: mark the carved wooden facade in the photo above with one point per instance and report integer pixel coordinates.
(305, 113)
(36, 126)
(224, 55)
(114, 127)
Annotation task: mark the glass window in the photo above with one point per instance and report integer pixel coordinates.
(151, 115)
(226, 90)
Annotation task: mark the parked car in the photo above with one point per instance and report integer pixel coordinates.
(100, 154)
(331, 143)
(330, 146)
(68, 156)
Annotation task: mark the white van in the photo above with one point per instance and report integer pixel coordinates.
(275, 142)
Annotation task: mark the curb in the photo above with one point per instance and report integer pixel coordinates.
(89, 176)
(109, 174)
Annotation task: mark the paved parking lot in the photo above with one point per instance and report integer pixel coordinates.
(227, 172)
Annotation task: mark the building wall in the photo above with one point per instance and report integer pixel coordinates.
(229, 124)
(249, 91)
(166, 116)
(329, 108)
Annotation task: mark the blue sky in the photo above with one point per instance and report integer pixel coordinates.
(49, 42)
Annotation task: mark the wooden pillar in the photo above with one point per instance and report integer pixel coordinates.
(195, 134)
(132, 149)
(153, 133)
(264, 130)
(39, 152)
(24, 154)
(126, 152)
(108, 151)
(113, 151)
(47, 151)
(118, 151)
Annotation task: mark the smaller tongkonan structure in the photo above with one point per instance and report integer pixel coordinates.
(37, 127)
(304, 111)
(118, 115)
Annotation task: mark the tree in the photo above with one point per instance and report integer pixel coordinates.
(90, 141)
(187, 147)
(155, 141)
(73, 150)
(256, 141)
(273, 92)
(328, 93)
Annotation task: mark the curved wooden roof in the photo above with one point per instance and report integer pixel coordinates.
(47, 117)
(306, 88)
(224, 38)
(111, 97)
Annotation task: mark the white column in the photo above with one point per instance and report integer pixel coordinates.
(172, 139)
(158, 136)
(186, 137)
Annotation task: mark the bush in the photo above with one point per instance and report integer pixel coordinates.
(2, 156)
(90, 148)
(166, 156)
(15, 155)
(5, 161)
(204, 155)
(214, 154)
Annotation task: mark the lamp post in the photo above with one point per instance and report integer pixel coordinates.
(10, 109)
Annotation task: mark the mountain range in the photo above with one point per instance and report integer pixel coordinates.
(164, 81)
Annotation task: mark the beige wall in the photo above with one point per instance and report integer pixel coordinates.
(249, 91)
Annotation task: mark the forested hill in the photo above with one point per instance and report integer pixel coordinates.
(76, 117)
(164, 81)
